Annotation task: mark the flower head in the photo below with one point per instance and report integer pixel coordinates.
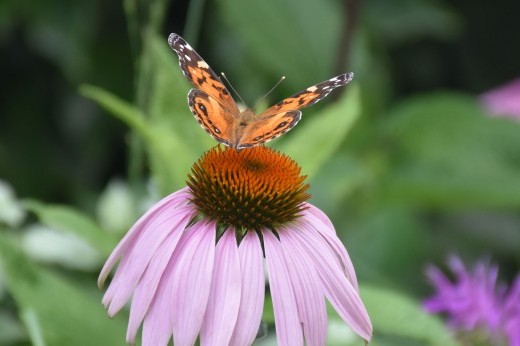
(474, 302)
(194, 263)
(249, 189)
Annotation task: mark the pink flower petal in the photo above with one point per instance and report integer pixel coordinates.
(158, 325)
(338, 289)
(191, 283)
(147, 287)
(310, 209)
(224, 299)
(253, 291)
(177, 198)
(323, 225)
(308, 292)
(288, 327)
(135, 262)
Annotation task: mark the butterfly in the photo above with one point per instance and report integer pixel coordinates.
(219, 115)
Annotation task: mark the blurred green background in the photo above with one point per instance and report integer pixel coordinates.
(94, 126)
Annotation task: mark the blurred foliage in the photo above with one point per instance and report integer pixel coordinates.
(405, 160)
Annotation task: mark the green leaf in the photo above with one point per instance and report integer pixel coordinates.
(447, 153)
(395, 314)
(168, 154)
(33, 326)
(377, 240)
(318, 138)
(280, 36)
(173, 139)
(121, 109)
(268, 314)
(169, 163)
(53, 308)
(67, 219)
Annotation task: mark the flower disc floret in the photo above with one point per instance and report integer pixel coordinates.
(254, 188)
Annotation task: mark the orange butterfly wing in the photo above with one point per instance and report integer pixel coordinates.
(309, 96)
(213, 118)
(267, 128)
(198, 72)
(284, 115)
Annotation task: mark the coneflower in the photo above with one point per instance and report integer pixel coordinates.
(193, 265)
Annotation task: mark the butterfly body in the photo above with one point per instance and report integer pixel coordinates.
(217, 112)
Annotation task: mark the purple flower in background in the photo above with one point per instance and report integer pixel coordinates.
(512, 313)
(474, 302)
(504, 100)
(193, 265)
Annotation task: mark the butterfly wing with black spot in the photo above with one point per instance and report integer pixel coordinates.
(309, 96)
(284, 115)
(198, 72)
(269, 127)
(213, 118)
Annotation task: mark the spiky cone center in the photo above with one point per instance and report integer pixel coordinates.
(251, 189)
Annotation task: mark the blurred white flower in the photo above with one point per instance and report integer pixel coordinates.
(338, 333)
(115, 208)
(149, 198)
(47, 245)
(11, 212)
(269, 340)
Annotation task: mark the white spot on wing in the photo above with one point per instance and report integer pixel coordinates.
(202, 64)
(312, 89)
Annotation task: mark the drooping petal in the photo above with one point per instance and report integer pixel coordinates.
(147, 286)
(324, 227)
(307, 291)
(178, 198)
(158, 324)
(338, 289)
(310, 209)
(135, 262)
(253, 291)
(287, 321)
(224, 299)
(191, 283)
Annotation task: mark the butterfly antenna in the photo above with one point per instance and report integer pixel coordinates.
(231, 86)
(270, 91)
